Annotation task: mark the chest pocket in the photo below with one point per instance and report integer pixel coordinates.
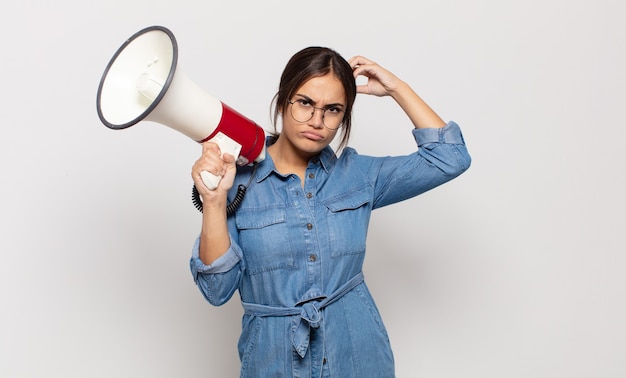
(264, 239)
(348, 219)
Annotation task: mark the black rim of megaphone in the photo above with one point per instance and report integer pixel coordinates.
(168, 81)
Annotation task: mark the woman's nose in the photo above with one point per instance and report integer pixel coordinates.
(317, 120)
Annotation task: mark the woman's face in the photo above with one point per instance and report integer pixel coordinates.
(310, 137)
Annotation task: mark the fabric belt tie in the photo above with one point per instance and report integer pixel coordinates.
(309, 312)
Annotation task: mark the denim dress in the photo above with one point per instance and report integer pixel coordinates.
(297, 253)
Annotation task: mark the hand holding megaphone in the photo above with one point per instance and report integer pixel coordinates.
(142, 83)
(213, 159)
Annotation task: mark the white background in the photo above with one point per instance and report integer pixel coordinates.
(513, 270)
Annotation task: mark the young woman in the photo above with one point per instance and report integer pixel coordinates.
(294, 249)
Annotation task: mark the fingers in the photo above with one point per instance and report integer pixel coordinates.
(228, 159)
(210, 146)
(359, 60)
(211, 156)
(380, 82)
(213, 151)
(217, 164)
(211, 161)
(362, 66)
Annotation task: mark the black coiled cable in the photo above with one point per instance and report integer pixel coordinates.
(233, 205)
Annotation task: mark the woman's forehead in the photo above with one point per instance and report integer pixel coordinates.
(327, 89)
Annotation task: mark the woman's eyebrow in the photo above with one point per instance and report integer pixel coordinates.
(309, 99)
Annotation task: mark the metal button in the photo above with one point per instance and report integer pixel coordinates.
(309, 226)
(309, 195)
(311, 175)
(313, 258)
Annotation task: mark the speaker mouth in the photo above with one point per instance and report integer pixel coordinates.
(137, 77)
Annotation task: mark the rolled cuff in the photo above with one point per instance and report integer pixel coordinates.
(223, 263)
(450, 134)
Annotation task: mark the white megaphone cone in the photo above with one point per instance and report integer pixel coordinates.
(142, 83)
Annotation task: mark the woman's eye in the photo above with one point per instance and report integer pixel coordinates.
(304, 103)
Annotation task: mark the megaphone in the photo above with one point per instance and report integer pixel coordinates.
(143, 83)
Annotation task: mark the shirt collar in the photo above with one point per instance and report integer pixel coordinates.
(326, 158)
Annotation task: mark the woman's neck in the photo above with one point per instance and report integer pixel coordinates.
(287, 159)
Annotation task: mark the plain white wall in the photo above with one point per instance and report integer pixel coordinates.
(513, 270)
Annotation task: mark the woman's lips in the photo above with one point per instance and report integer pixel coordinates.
(312, 135)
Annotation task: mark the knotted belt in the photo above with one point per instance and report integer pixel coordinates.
(309, 312)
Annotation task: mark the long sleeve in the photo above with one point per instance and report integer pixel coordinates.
(441, 155)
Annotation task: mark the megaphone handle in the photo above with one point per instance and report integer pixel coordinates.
(226, 144)
(210, 180)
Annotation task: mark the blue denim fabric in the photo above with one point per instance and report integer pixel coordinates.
(296, 257)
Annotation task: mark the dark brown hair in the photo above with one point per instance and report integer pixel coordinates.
(313, 62)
